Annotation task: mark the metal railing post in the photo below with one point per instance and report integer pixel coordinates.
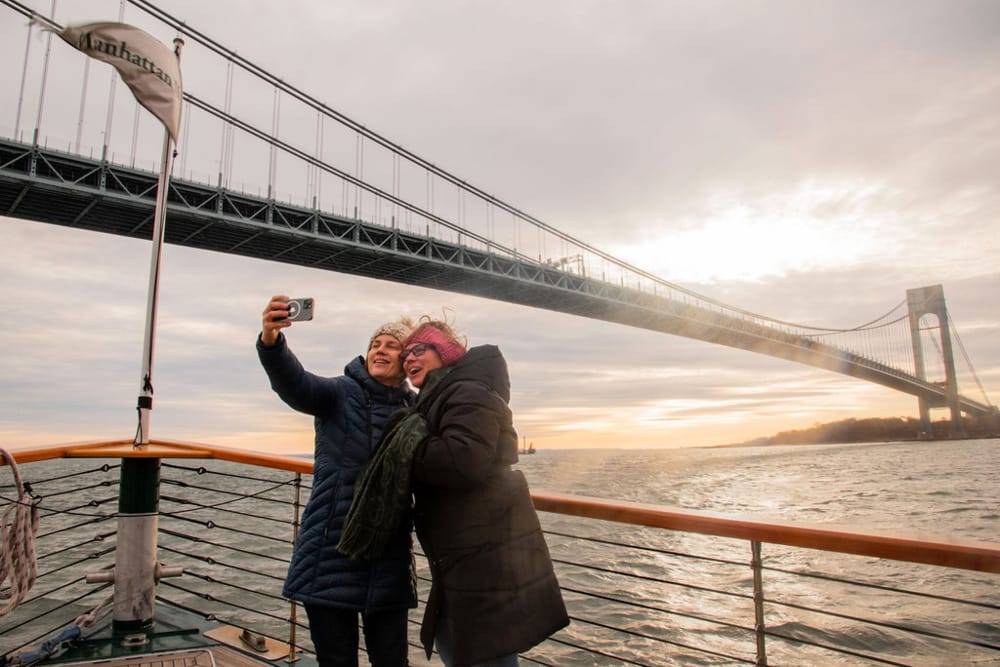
(293, 613)
(759, 627)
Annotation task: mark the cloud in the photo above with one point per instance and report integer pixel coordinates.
(805, 161)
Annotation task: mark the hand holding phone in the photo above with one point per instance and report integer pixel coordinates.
(280, 312)
(301, 309)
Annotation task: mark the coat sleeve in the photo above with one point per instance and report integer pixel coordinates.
(300, 389)
(461, 450)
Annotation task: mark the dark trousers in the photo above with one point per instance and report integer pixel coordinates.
(335, 636)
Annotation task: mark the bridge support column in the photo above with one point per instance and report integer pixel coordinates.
(930, 301)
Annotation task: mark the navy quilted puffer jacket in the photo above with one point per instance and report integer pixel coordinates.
(350, 412)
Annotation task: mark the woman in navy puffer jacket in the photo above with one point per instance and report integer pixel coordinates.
(350, 413)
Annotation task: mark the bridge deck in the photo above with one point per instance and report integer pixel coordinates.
(75, 191)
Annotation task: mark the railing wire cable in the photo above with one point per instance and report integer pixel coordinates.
(882, 587)
(199, 506)
(208, 560)
(221, 546)
(885, 624)
(237, 496)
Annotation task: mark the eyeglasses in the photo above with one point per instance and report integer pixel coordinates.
(417, 350)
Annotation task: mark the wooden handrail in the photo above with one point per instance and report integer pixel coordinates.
(166, 449)
(927, 549)
(930, 550)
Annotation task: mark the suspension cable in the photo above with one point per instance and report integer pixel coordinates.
(364, 132)
(399, 151)
(968, 362)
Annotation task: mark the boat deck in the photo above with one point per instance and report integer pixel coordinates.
(190, 658)
(183, 639)
(216, 656)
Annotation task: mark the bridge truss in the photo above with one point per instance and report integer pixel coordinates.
(74, 191)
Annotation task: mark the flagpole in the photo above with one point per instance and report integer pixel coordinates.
(145, 400)
(136, 570)
(153, 75)
(145, 66)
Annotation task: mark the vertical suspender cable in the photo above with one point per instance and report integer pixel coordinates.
(135, 132)
(343, 197)
(359, 172)
(430, 193)
(230, 134)
(24, 77)
(111, 112)
(83, 103)
(226, 127)
(185, 133)
(395, 187)
(317, 173)
(111, 97)
(273, 162)
(45, 76)
(968, 362)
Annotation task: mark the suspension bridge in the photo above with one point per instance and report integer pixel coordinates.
(328, 193)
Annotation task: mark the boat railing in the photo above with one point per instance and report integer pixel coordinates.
(644, 584)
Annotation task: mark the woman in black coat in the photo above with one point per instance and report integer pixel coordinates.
(494, 592)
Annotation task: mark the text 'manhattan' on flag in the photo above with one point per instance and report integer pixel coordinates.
(147, 66)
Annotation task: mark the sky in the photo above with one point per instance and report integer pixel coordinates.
(805, 161)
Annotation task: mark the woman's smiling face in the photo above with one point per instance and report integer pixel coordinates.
(418, 361)
(383, 360)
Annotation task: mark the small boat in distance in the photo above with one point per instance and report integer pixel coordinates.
(527, 447)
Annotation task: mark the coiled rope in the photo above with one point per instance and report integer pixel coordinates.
(18, 528)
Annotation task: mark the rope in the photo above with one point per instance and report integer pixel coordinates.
(61, 640)
(18, 528)
(65, 637)
(97, 614)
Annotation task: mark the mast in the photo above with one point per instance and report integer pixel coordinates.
(152, 73)
(136, 569)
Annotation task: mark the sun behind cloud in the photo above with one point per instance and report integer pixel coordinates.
(813, 227)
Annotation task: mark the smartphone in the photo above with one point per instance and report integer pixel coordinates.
(301, 309)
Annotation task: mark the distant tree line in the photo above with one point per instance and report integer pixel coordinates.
(878, 429)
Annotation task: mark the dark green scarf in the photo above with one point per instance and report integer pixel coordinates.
(382, 493)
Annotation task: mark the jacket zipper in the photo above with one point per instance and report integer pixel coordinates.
(368, 398)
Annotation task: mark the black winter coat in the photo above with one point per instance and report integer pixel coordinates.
(350, 413)
(492, 577)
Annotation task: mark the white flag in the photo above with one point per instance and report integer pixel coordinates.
(147, 66)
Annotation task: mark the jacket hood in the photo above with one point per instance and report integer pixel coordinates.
(483, 363)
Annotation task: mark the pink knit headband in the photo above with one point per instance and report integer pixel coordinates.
(449, 350)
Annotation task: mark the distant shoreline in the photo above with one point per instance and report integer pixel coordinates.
(874, 430)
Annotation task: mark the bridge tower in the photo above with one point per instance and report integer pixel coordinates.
(930, 301)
